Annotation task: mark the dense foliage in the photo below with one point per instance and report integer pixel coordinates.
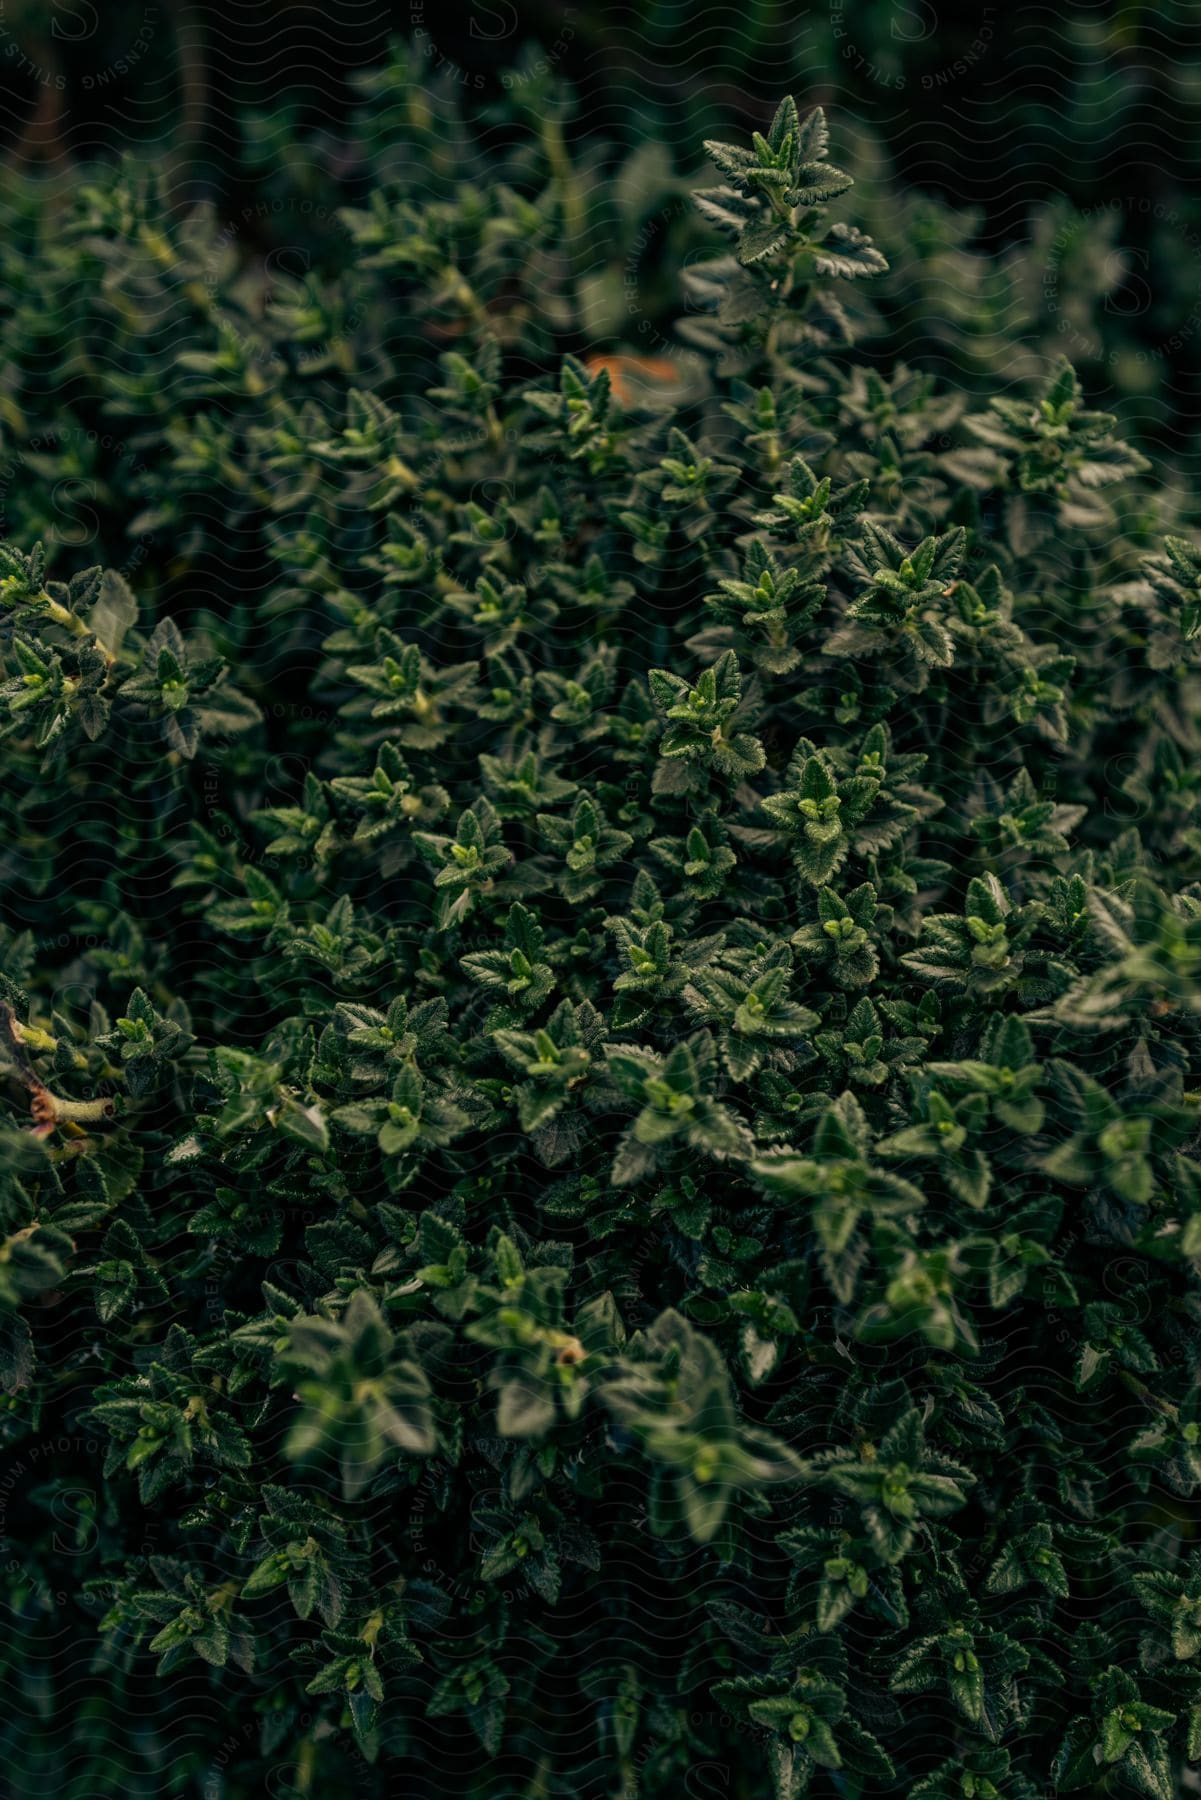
(1030, 178)
(600, 983)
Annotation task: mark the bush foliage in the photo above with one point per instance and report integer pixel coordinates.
(600, 984)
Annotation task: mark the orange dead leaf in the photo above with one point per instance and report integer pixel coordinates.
(622, 370)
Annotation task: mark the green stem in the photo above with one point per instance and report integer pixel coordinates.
(62, 615)
(81, 1112)
(555, 146)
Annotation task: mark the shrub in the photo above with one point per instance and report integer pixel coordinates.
(598, 1004)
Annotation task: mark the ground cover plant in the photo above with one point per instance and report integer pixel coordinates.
(598, 1004)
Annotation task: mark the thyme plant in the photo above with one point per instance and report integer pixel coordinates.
(598, 1009)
